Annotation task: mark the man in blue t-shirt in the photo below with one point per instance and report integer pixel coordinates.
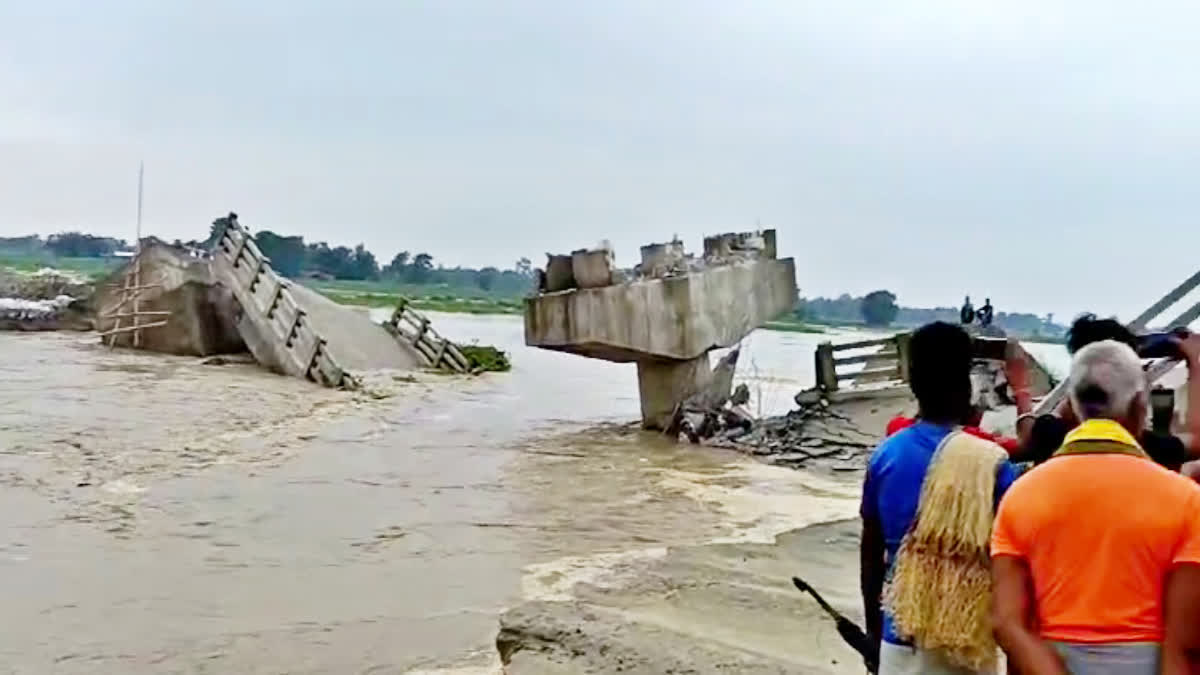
(940, 358)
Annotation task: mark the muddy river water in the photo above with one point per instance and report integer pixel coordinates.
(161, 515)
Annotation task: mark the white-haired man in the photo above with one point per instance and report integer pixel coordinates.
(1096, 553)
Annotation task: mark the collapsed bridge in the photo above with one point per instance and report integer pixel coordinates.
(230, 299)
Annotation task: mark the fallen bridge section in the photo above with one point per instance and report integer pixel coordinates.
(294, 330)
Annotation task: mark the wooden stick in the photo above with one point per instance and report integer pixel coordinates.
(112, 343)
(131, 287)
(137, 281)
(126, 329)
(127, 314)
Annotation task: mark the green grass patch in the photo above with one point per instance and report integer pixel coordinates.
(792, 327)
(486, 358)
(90, 268)
(434, 303)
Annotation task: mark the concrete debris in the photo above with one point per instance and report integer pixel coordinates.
(60, 313)
(595, 268)
(592, 268)
(45, 284)
(34, 307)
(713, 408)
(663, 260)
(181, 289)
(559, 274)
(723, 249)
(818, 434)
(801, 436)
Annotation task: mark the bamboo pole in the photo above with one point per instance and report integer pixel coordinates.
(128, 314)
(127, 329)
(137, 260)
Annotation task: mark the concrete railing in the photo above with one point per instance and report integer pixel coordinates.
(413, 328)
(271, 322)
(886, 360)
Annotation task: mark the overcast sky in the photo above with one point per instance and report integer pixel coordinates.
(1045, 154)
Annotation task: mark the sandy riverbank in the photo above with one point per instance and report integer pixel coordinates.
(727, 605)
(717, 608)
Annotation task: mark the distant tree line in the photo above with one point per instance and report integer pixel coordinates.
(293, 257)
(62, 245)
(880, 309)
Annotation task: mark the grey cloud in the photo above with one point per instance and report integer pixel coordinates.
(932, 147)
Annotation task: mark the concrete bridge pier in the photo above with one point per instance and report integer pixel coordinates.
(663, 385)
(675, 311)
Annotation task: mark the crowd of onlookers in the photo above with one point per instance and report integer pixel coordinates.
(1094, 548)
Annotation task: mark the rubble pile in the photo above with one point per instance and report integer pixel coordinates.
(813, 434)
(44, 300)
(45, 284)
(20, 308)
(816, 432)
(60, 313)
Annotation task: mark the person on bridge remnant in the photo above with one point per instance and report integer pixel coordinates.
(985, 313)
(929, 484)
(1096, 553)
(967, 313)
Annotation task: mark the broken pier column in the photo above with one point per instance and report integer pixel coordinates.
(665, 324)
(663, 385)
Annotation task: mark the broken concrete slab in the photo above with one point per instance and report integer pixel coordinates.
(678, 317)
(294, 330)
(201, 311)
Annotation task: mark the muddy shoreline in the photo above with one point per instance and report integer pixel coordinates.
(715, 608)
(725, 607)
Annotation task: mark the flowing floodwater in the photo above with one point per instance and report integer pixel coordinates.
(162, 515)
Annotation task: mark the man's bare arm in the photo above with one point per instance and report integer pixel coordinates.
(1190, 348)
(872, 569)
(1181, 611)
(1013, 619)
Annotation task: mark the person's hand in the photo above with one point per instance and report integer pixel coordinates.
(1189, 347)
(1191, 470)
(1016, 367)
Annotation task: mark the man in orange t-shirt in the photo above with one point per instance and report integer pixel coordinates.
(1096, 553)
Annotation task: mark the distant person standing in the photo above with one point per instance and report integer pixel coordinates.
(985, 313)
(967, 314)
